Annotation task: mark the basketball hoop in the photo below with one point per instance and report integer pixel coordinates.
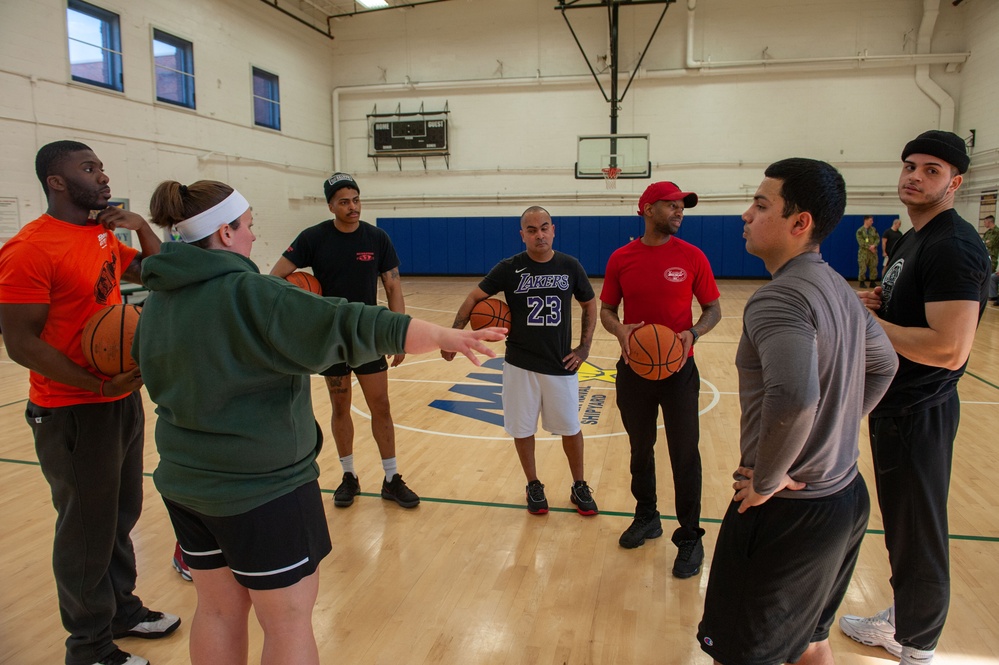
(610, 176)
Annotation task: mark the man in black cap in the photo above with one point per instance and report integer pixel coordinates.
(932, 297)
(348, 257)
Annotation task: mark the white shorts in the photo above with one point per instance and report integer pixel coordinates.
(526, 394)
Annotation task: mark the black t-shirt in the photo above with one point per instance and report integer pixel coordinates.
(540, 299)
(945, 260)
(893, 237)
(347, 265)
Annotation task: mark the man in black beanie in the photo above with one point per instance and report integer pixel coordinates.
(349, 256)
(932, 297)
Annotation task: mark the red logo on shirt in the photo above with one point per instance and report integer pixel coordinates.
(365, 256)
(675, 275)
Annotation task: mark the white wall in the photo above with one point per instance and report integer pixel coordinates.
(712, 130)
(519, 93)
(979, 107)
(143, 142)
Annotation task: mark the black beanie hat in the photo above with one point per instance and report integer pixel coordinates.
(336, 182)
(947, 146)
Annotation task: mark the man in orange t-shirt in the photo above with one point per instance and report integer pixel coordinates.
(55, 273)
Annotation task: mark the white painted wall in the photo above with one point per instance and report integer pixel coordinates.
(143, 142)
(519, 93)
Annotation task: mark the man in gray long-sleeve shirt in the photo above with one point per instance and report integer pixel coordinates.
(812, 362)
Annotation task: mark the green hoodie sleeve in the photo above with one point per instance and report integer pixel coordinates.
(312, 332)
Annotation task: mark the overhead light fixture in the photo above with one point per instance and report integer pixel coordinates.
(373, 4)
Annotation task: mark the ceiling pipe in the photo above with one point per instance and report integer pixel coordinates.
(920, 60)
(924, 39)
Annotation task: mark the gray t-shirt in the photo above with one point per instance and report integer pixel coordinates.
(812, 362)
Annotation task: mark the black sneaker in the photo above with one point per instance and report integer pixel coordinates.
(688, 559)
(582, 498)
(119, 657)
(397, 491)
(537, 503)
(153, 627)
(642, 528)
(349, 488)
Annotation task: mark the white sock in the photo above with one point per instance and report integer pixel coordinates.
(348, 464)
(913, 656)
(391, 468)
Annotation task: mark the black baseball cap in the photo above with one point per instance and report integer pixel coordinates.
(336, 182)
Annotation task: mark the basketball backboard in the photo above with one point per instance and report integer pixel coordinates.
(628, 152)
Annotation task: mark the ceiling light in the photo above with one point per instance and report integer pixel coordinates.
(373, 4)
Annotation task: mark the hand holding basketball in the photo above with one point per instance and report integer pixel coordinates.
(304, 280)
(490, 313)
(107, 339)
(655, 352)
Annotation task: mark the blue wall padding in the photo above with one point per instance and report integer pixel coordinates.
(473, 245)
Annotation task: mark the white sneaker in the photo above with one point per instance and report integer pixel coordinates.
(153, 627)
(875, 631)
(119, 657)
(913, 656)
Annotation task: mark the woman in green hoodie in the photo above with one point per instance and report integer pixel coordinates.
(226, 354)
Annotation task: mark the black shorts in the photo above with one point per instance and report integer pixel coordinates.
(343, 369)
(272, 546)
(779, 573)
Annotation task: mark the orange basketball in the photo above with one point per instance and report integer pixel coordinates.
(304, 280)
(107, 339)
(490, 313)
(656, 352)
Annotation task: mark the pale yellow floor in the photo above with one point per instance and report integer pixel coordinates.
(470, 577)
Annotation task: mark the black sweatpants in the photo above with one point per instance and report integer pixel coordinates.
(912, 462)
(91, 456)
(639, 401)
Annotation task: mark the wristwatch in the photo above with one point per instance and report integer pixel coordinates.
(694, 333)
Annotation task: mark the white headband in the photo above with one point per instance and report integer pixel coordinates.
(208, 222)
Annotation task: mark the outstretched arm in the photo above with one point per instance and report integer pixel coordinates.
(423, 336)
(464, 313)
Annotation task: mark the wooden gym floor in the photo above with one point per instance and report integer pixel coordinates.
(470, 577)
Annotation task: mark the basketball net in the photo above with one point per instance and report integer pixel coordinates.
(610, 176)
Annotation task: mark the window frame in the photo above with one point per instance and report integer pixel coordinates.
(110, 47)
(187, 79)
(273, 81)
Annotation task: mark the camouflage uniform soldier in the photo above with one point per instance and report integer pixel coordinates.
(991, 238)
(867, 255)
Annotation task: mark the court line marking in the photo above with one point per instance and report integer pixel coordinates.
(712, 390)
(520, 506)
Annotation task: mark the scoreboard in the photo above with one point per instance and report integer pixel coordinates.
(407, 134)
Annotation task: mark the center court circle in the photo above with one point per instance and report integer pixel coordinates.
(438, 389)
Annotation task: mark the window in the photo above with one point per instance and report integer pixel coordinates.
(94, 45)
(266, 100)
(173, 60)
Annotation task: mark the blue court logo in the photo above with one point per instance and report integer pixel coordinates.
(483, 394)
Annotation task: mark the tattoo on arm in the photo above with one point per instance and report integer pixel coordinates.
(587, 324)
(133, 273)
(710, 316)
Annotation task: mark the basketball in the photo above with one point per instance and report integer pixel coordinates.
(107, 339)
(490, 313)
(304, 280)
(656, 352)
